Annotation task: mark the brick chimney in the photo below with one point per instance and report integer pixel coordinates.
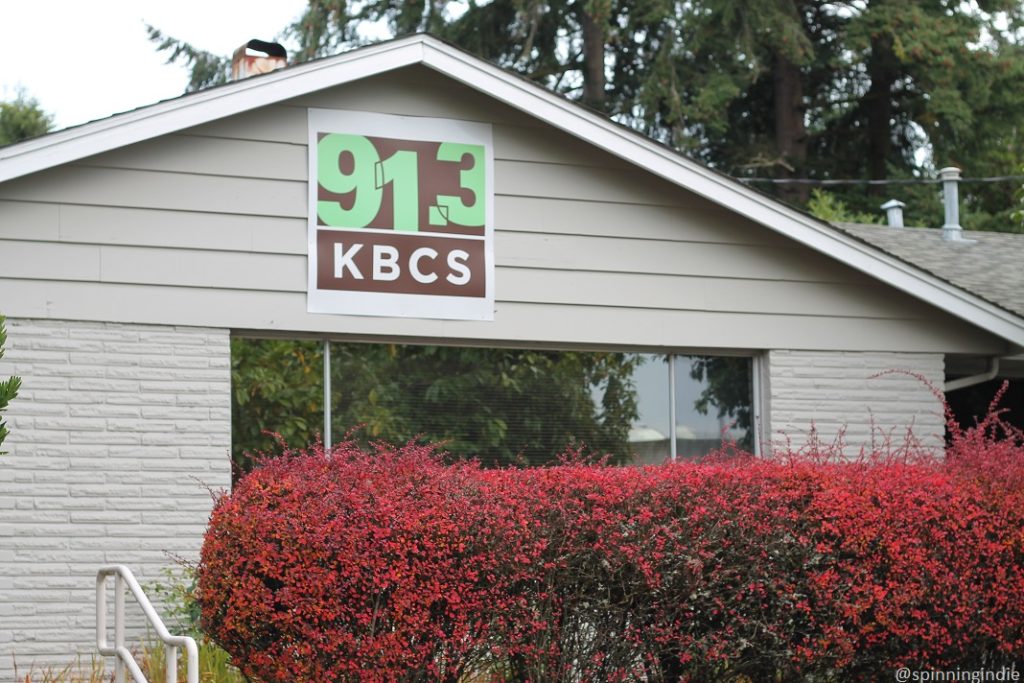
(244, 64)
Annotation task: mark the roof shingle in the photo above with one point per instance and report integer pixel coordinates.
(987, 264)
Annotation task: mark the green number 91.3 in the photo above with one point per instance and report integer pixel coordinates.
(370, 175)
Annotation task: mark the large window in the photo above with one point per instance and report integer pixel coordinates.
(503, 406)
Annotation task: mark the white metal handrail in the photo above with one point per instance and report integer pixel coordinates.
(123, 577)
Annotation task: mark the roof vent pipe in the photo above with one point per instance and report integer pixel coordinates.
(893, 213)
(951, 230)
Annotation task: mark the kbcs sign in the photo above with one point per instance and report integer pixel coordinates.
(401, 216)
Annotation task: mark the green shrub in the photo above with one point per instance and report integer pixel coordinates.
(8, 388)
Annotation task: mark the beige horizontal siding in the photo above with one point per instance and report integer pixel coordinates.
(273, 123)
(574, 252)
(22, 219)
(415, 93)
(286, 125)
(703, 222)
(208, 227)
(106, 225)
(104, 186)
(515, 323)
(669, 292)
(210, 156)
(601, 282)
(287, 160)
(160, 190)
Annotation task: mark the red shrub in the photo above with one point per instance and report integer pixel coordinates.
(392, 566)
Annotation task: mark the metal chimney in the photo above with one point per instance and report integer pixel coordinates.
(893, 213)
(244, 64)
(951, 230)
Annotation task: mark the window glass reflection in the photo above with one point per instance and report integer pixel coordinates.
(713, 403)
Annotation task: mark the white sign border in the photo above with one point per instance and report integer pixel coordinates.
(381, 304)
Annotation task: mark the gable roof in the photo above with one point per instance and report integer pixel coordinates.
(241, 96)
(989, 265)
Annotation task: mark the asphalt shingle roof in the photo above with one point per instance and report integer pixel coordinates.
(989, 265)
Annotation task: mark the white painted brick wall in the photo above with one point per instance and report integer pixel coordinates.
(838, 390)
(113, 431)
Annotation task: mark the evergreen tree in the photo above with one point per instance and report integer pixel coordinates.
(22, 119)
(791, 89)
(920, 77)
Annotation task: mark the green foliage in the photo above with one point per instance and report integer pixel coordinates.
(22, 119)
(214, 663)
(1017, 216)
(180, 611)
(875, 89)
(501, 405)
(205, 68)
(828, 207)
(943, 78)
(277, 387)
(8, 388)
(176, 595)
(728, 391)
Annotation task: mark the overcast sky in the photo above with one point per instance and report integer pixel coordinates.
(87, 59)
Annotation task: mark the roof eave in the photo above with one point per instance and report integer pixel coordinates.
(201, 107)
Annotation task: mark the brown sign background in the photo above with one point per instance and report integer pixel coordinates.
(406, 244)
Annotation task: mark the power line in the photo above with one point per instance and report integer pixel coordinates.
(893, 181)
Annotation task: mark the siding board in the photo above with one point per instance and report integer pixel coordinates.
(388, 95)
(515, 323)
(702, 223)
(748, 266)
(287, 273)
(286, 160)
(273, 123)
(28, 220)
(206, 156)
(46, 260)
(563, 181)
(545, 145)
(574, 253)
(256, 196)
(733, 295)
(156, 190)
(181, 229)
(286, 125)
(190, 268)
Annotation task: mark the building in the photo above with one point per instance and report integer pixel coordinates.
(133, 248)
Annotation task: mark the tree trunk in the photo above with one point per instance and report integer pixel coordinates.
(593, 61)
(882, 68)
(790, 129)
